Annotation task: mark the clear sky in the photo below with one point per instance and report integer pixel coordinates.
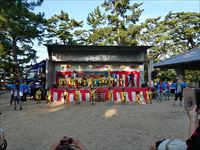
(79, 10)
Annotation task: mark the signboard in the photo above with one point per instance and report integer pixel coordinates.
(83, 68)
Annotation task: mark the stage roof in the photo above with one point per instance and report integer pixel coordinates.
(90, 53)
(188, 60)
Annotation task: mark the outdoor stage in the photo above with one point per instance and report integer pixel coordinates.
(101, 94)
(101, 67)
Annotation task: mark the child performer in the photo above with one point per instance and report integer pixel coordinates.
(69, 82)
(66, 96)
(123, 96)
(100, 81)
(110, 81)
(60, 82)
(92, 96)
(142, 98)
(121, 82)
(138, 99)
(90, 82)
(48, 97)
(110, 94)
(38, 96)
(77, 99)
(149, 96)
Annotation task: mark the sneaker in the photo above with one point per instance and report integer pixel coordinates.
(20, 108)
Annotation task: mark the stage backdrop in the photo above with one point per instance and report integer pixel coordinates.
(117, 70)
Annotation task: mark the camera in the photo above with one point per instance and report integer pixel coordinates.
(191, 98)
(66, 141)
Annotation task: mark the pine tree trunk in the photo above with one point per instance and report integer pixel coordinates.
(15, 61)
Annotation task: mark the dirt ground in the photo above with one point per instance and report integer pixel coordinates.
(100, 127)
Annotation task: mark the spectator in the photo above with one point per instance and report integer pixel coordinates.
(193, 141)
(159, 91)
(170, 144)
(166, 90)
(17, 100)
(73, 145)
(178, 92)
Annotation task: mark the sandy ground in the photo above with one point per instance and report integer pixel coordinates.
(100, 127)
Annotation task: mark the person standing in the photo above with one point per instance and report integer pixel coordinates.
(17, 97)
(121, 82)
(92, 96)
(131, 79)
(166, 90)
(77, 98)
(123, 96)
(178, 92)
(138, 98)
(66, 96)
(38, 96)
(48, 96)
(110, 95)
(149, 96)
(159, 91)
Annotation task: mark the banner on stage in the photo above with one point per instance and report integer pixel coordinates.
(84, 68)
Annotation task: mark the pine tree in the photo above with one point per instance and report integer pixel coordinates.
(61, 27)
(116, 25)
(19, 26)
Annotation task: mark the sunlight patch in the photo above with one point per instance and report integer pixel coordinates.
(110, 113)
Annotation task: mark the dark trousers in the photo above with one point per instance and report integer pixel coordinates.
(178, 95)
(24, 97)
(11, 99)
(131, 81)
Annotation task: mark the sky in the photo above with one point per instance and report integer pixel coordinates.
(79, 10)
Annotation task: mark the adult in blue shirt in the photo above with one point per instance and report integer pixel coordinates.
(159, 91)
(179, 91)
(166, 90)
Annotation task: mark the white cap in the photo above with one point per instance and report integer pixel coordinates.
(175, 144)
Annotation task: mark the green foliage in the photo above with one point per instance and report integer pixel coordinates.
(116, 25)
(96, 18)
(19, 27)
(112, 23)
(61, 27)
(192, 76)
(175, 34)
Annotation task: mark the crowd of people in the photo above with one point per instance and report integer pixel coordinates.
(163, 89)
(89, 81)
(160, 91)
